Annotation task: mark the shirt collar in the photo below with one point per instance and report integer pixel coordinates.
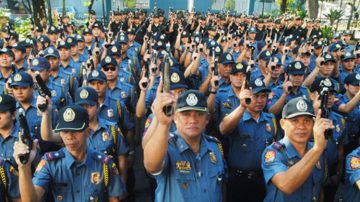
(290, 150)
(247, 116)
(183, 146)
(70, 161)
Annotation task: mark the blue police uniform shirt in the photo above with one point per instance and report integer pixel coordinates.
(126, 77)
(71, 82)
(256, 73)
(250, 140)
(150, 119)
(226, 101)
(331, 151)
(276, 160)
(352, 119)
(3, 79)
(3, 89)
(11, 188)
(107, 139)
(312, 62)
(72, 68)
(278, 91)
(236, 55)
(151, 93)
(115, 111)
(272, 84)
(203, 71)
(352, 175)
(337, 86)
(187, 176)
(71, 180)
(125, 92)
(130, 65)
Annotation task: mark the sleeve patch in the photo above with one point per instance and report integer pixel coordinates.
(41, 164)
(270, 156)
(355, 163)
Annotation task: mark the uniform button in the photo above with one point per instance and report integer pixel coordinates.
(205, 190)
(77, 174)
(78, 191)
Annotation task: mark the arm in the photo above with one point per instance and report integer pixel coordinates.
(122, 167)
(348, 107)
(46, 129)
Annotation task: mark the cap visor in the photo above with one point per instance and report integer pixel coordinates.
(260, 90)
(299, 114)
(70, 127)
(200, 109)
(83, 102)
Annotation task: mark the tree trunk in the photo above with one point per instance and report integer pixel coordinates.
(39, 12)
(283, 6)
(49, 12)
(313, 7)
(351, 14)
(63, 7)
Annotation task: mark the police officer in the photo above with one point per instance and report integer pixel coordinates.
(348, 105)
(9, 185)
(19, 57)
(75, 172)
(294, 167)
(189, 165)
(282, 94)
(23, 90)
(6, 70)
(250, 130)
(352, 177)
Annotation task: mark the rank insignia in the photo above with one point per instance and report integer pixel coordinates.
(95, 177)
(318, 165)
(270, 156)
(53, 93)
(40, 165)
(123, 94)
(355, 163)
(227, 104)
(59, 197)
(105, 136)
(268, 127)
(183, 166)
(213, 158)
(185, 185)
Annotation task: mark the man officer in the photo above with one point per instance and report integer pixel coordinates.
(294, 167)
(75, 172)
(187, 165)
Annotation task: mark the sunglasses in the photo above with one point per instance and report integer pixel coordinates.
(106, 69)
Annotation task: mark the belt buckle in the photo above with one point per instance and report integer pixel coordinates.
(239, 173)
(250, 175)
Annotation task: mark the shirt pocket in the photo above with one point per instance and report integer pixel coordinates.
(187, 185)
(62, 191)
(244, 141)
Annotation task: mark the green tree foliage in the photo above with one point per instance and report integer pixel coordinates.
(130, 3)
(230, 4)
(334, 16)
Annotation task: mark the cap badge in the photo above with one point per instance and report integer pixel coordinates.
(217, 49)
(357, 76)
(175, 78)
(258, 83)
(160, 43)
(62, 43)
(212, 43)
(191, 99)
(95, 73)
(52, 28)
(327, 56)
(267, 53)
(301, 106)
(84, 94)
(122, 38)
(51, 51)
(17, 77)
(107, 59)
(297, 65)
(69, 115)
(114, 49)
(338, 46)
(69, 40)
(239, 66)
(35, 62)
(228, 57)
(347, 54)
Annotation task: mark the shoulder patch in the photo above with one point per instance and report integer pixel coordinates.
(270, 156)
(51, 156)
(41, 164)
(355, 163)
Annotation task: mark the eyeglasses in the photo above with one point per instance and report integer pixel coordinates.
(112, 68)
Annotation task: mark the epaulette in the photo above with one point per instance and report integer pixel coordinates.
(101, 157)
(51, 156)
(269, 115)
(278, 146)
(172, 138)
(212, 138)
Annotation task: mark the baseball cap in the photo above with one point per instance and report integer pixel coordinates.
(19, 47)
(51, 52)
(87, 31)
(7, 51)
(296, 67)
(63, 44)
(39, 64)
(265, 55)
(191, 100)
(252, 30)
(108, 60)
(86, 95)
(72, 118)
(123, 38)
(177, 79)
(7, 103)
(348, 56)
(114, 50)
(317, 85)
(227, 58)
(258, 86)
(96, 75)
(22, 79)
(353, 79)
(297, 107)
(239, 67)
(318, 44)
(334, 47)
(328, 57)
(52, 30)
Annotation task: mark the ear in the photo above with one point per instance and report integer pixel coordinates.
(313, 95)
(282, 123)
(346, 86)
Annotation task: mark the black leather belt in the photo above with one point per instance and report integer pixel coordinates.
(246, 174)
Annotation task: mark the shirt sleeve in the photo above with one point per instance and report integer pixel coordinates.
(121, 147)
(42, 175)
(353, 168)
(271, 163)
(116, 187)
